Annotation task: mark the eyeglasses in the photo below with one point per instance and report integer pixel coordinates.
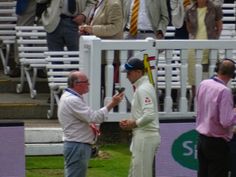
(82, 82)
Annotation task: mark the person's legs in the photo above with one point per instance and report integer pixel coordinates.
(28, 17)
(70, 34)
(25, 19)
(143, 152)
(151, 145)
(191, 77)
(202, 160)
(219, 159)
(213, 156)
(66, 34)
(55, 39)
(76, 156)
(233, 156)
(205, 64)
(181, 33)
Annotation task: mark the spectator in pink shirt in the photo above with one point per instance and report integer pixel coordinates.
(216, 116)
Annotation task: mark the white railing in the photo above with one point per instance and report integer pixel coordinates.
(93, 49)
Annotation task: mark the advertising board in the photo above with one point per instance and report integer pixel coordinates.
(177, 155)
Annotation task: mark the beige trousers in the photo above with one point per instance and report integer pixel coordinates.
(144, 147)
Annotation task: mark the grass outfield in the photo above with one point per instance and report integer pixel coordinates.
(113, 161)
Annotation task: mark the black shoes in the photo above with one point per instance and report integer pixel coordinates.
(41, 73)
(15, 72)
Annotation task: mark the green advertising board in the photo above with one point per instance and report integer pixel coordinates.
(184, 150)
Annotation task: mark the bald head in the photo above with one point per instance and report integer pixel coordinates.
(76, 76)
(226, 67)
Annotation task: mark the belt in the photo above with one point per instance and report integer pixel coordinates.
(142, 31)
(77, 142)
(65, 16)
(212, 138)
(145, 31)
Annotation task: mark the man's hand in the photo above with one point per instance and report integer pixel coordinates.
(116, 99)
(86, 29)
(128, 124)
(79, 19)
(159, 34)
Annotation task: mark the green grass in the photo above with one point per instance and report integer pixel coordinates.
(113, 163)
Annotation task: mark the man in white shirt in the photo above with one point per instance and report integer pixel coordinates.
(144, 121)
(152, 19)
(77, 120)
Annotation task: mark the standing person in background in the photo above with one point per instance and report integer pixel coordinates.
(216, 116)
(218, 2)
(144, 121)
(106, 20)
(178, 9)
(145, 18)
(233, 146)
(61, 20)
(77, 120)
(233, 155)
(26, 13)
(204, 21)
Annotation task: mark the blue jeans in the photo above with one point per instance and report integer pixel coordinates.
(76, 156)
(66, 34)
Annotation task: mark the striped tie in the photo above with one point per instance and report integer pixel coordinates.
(186, 3)
(134, 18)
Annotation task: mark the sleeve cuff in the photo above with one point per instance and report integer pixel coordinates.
(104, 110)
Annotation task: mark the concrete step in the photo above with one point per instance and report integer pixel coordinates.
(43, 141)
(35, 123)
(44, 149)
(21, 106)
(8, 84)
(41, 136)
(45, 137)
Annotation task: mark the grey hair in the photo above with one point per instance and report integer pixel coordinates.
(72, 78)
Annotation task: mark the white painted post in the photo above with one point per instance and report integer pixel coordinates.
(183, 104)
(168, 99)
(95, 73)
(198, 66)
(124, 82)
(109, 75)
(212, 60)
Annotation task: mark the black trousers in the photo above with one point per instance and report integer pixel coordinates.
(233, 156)
(213, 157)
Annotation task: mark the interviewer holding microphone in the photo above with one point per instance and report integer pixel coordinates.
(77, 120)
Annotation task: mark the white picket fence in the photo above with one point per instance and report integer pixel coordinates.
(170, 56)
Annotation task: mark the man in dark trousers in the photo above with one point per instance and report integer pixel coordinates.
(216, 116)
